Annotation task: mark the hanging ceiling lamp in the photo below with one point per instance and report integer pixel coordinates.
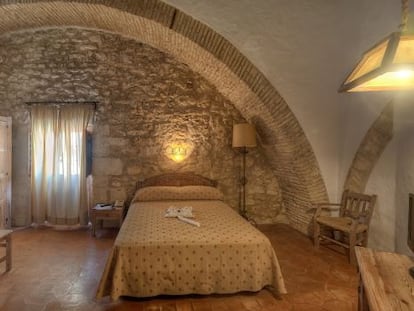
(388, 65)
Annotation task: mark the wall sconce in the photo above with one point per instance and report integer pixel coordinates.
(244, 136)
(177, 152)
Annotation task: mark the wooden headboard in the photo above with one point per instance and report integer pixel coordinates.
(176, 179)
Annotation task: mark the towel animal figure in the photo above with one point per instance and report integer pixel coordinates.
(185, 211)
(183, 214)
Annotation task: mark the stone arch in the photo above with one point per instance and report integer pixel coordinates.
(209, 54)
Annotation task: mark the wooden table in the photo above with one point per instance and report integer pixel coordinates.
(385, 283)
(106, 214)
(5, 241)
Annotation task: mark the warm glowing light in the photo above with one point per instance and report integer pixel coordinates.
(403, 74)
(393, 80)
(178, 154)
(178, 151)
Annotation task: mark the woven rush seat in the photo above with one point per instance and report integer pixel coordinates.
(341, 224)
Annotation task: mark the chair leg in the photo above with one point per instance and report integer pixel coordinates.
(316, 233)
(364, 242)
(352, 243)
(8, 253)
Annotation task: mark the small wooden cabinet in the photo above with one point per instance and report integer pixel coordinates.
(98, 214)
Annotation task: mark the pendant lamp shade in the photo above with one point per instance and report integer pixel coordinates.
(388, 65)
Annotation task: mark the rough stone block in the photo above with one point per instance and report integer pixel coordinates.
(100, 181)
(134, 170)
(107, 166)
(117, 194)
(100, 195)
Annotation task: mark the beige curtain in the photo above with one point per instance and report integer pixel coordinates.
(58, 164)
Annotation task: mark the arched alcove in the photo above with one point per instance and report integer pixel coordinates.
(209, 54)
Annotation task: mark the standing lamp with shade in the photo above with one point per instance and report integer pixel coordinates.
(244, 136)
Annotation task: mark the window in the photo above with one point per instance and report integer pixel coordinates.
(59, 163)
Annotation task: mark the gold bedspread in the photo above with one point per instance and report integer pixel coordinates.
(155, 255)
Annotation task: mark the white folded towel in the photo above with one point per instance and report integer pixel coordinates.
(189, 221)
(185, 211)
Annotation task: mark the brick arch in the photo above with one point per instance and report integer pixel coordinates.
(370, 149)
(209, 54)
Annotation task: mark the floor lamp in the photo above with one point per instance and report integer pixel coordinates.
(244, 136)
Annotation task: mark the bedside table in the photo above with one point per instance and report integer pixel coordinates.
(106, 214)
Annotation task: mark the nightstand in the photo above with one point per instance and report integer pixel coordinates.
(106, 214)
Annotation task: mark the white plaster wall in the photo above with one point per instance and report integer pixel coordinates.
(298, 46)
(393, 180)
(306, 49)
(404, 138)
(374, 19)
(383, 182)
(393, 176)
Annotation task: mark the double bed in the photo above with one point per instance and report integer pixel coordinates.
(157, 255)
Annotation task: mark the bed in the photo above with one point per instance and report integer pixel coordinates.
(155, 255)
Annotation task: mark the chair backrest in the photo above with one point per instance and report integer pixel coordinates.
(357, 206)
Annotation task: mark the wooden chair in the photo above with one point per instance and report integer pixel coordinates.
(348, 229)
(5, 241)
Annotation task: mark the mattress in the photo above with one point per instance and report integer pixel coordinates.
(155, 255)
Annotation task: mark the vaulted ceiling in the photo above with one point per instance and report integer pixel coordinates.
(208, 53)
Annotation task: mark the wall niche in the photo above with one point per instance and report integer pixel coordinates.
(147, 100)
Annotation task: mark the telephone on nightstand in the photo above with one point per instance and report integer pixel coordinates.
(119, 204)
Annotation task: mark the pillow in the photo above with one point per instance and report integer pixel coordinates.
(168, 193)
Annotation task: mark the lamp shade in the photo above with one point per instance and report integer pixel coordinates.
(387, 66)
(244, 135)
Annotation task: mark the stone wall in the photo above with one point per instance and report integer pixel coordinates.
(224, 64)
(147, 100)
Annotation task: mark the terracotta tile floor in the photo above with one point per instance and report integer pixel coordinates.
(60, 270)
